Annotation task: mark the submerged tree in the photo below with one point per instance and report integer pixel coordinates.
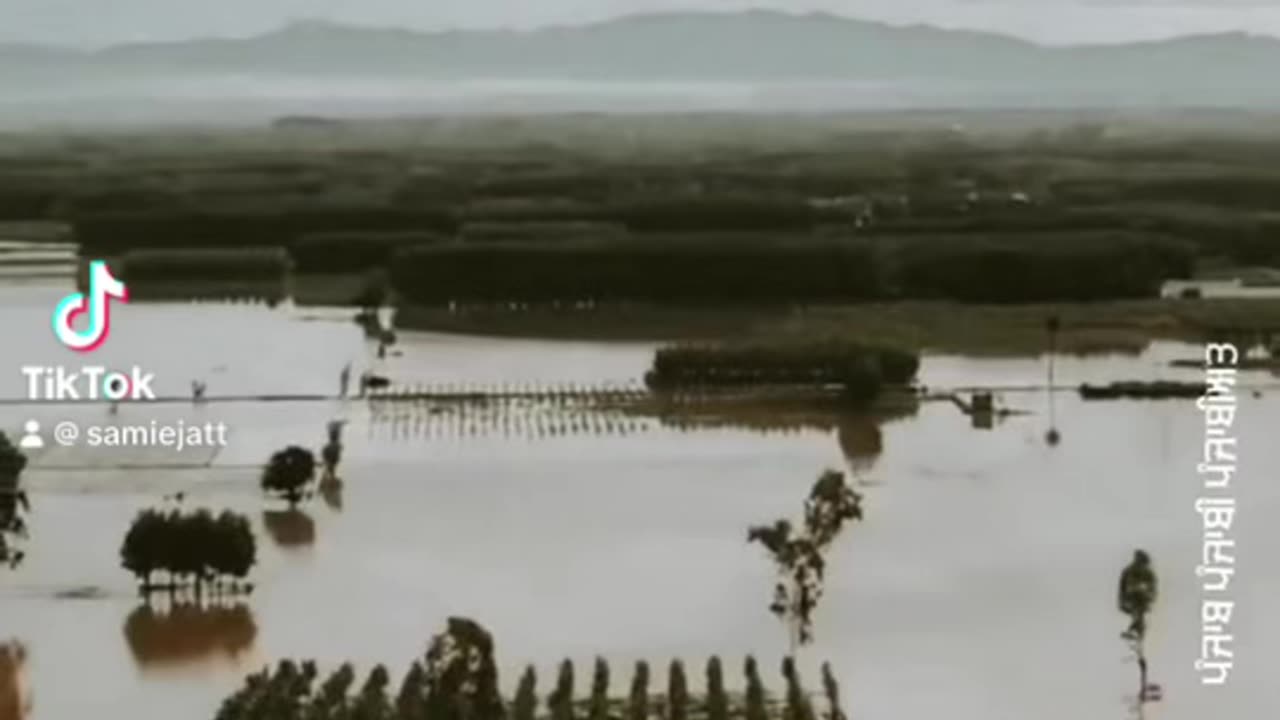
(677, 692)
(1136, 597)
(800, 556)
(290, 473)
(755, 699)
(525, 704)
(13, 501)
(599, 707)
(638, 702)
(560, 701)
(798, 707)
(193, 548)
(462, 674)
(717, 700)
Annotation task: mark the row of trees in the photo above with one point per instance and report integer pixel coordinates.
(434, 691)
(276, 225)
(245, 264)
(794, 363)
(689, 271)
(192, 548)
(344, 252)
(763, 268)
(1052, 267)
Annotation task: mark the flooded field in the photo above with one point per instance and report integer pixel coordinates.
(981, 585)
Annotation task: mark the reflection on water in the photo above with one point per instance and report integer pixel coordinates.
(290, 529)
(185, 633)
(861, 441)
(331, 493)
(14, 702)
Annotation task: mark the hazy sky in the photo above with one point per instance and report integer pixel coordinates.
(99, 22)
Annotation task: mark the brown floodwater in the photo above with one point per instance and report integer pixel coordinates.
(979, 587)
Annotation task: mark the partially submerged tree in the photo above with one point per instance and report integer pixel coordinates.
(462, 674)
(800, 555)
(13, 501)
(755, 699)
(525, 705)
(560, 701)
(677, 692)
(289, 474)
(599, 707)
(798, 707)
(1137, 595)
(835, 710)
(638, 702)
(717, 700)
(193, 548)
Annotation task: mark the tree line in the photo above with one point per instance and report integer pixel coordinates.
(805, 363)
(297, 691)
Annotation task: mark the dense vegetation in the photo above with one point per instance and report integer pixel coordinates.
(263, 225)
(698, 272)
(801, 363)
(192, 548)
(534, 210)
(355, 251)
(1038, 268)
(243, 264)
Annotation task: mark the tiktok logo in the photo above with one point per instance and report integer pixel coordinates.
(103, 288)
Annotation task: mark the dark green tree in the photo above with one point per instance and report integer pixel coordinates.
(599, 708)
(560, 701)
(372, 702)
(331, 702)
(290, 473)
(717, 699)
(193, 548)
(140, 552)
(462, 674)
(755, 700)
(798, 706)
(638, 702)
(677, 692)
(525, 705)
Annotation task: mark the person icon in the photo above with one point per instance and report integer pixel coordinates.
(32, 439)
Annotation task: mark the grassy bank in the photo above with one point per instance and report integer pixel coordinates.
(1117, 326)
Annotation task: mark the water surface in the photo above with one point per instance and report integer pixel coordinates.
(980, 586)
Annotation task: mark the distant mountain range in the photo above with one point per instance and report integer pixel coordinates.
(922, 64)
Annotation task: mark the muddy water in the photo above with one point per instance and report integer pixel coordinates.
(980, 586)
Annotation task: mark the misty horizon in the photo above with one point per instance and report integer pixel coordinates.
(1042, 22)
